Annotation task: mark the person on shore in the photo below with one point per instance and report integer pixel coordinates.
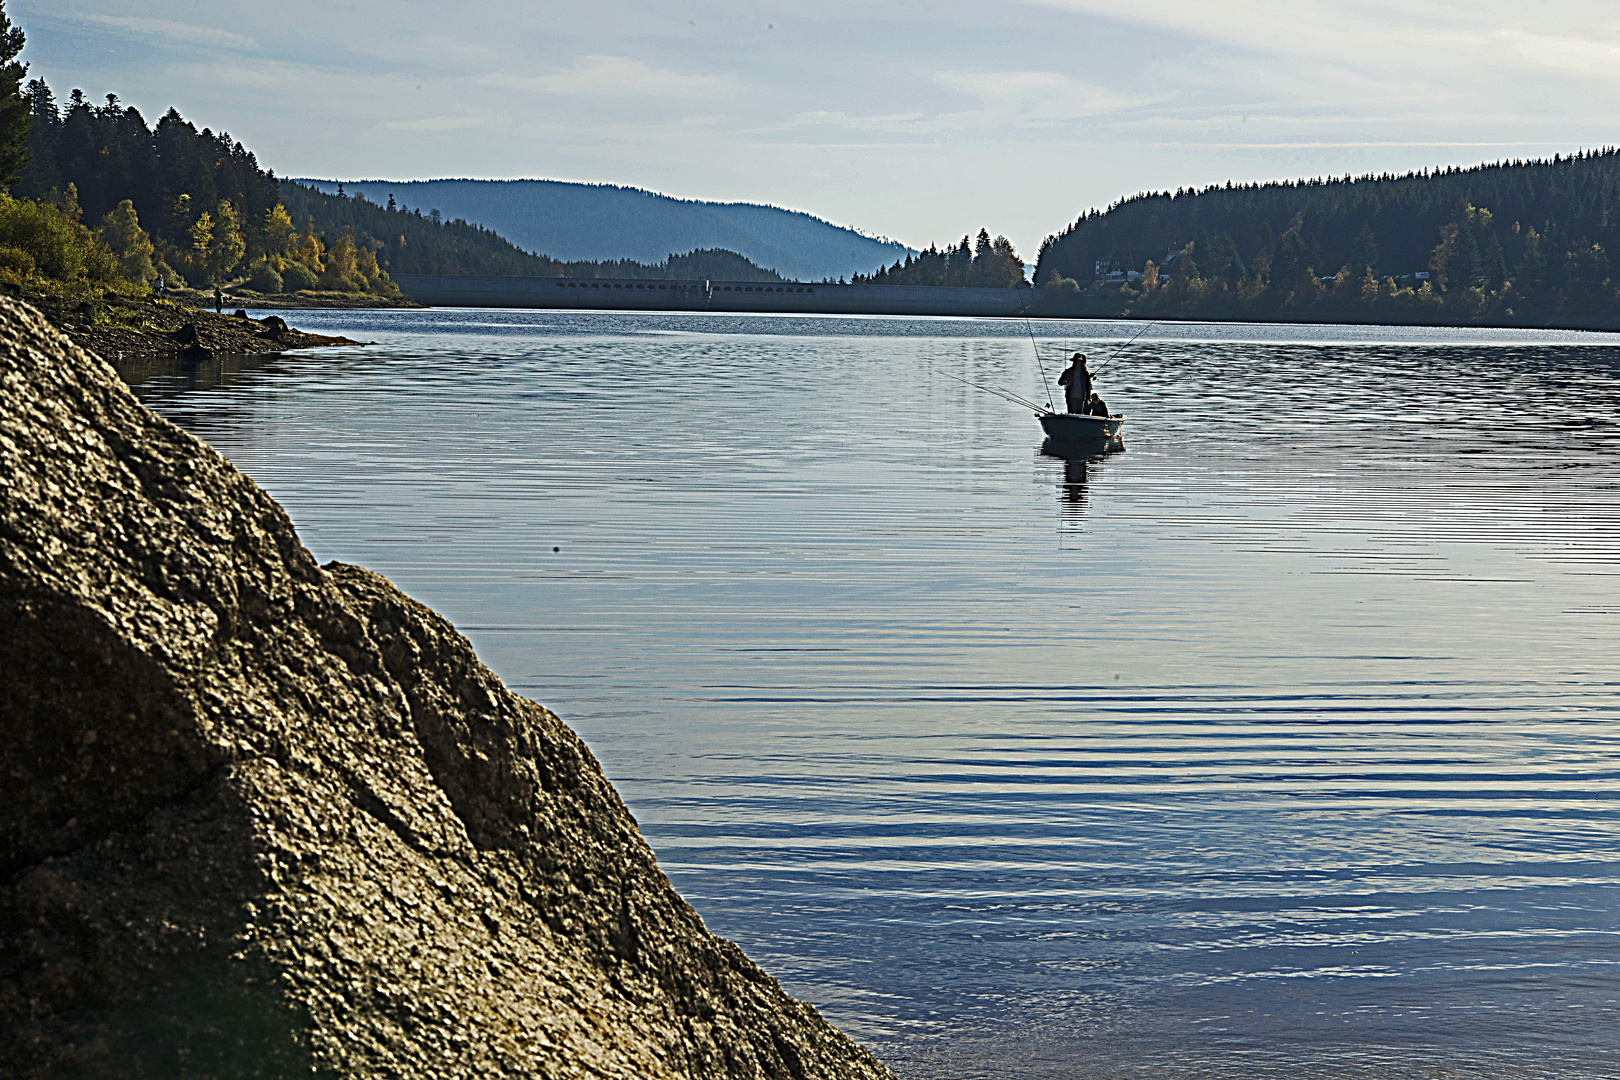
(1096, 406)
(219, 301)
(158, 287)
(1076, 381)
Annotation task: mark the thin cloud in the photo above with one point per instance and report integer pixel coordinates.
(1040, 97)
(176, 31)
(1567, 55)
(1392, 41)
(846, 122)
(447, 123)
(621, 78)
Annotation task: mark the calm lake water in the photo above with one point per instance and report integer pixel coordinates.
(1285, 743)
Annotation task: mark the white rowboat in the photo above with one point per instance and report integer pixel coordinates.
(1081, 431)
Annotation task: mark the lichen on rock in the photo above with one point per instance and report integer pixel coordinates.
(265, 818)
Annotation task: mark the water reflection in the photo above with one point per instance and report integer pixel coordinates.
(1073, 489)
(196, 369)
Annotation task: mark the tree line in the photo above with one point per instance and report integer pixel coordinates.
(411, 242)
(97, 195)
(169, 201)
(1512, 243)
(984, 264)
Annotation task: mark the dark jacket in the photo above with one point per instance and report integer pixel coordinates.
(1077, 383)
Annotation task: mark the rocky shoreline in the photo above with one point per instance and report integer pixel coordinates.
(308, 300)
(145, 327)
(267, 818)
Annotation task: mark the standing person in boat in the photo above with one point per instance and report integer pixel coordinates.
(1076, 381)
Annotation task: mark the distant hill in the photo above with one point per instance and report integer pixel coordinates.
(409, 242)
(1509, 243)
(602, 222)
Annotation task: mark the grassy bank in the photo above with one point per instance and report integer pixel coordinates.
(120, 324)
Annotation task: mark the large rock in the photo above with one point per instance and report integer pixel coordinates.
(268, 818)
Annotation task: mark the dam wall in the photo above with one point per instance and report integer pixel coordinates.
(624, 294)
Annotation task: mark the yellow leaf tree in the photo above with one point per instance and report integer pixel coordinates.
(226, 246)
(279, 234)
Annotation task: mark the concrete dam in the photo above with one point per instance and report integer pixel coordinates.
(625, 294)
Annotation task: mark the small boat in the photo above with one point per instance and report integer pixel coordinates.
(1079, 431)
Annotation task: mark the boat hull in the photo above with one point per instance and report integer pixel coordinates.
(1077, 431)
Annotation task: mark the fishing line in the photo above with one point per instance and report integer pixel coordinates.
(1005, 395)
(1125, 346)
(1024, 307)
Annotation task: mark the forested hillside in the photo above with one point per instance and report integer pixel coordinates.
(1518, 243)
(591, 222)
(201, 208)
(413, 243)
(210, 209)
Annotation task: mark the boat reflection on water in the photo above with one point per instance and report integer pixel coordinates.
(1078, 463)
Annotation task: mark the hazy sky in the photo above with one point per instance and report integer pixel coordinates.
(911, 119)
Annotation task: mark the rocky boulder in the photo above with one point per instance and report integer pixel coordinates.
(265, 818)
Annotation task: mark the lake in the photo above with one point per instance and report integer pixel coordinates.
(1283, 743)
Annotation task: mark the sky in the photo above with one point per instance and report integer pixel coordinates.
(920, 121)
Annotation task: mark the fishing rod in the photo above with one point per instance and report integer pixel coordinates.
(1024, 307)
(1005, 395)
(1125, 346)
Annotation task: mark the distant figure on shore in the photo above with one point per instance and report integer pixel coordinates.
(219, 301)
(158, 287)
(1076, 381)
(1096, 406)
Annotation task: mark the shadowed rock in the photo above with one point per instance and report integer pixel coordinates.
(265, 818)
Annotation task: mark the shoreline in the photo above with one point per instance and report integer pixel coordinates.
(313, 301)
(119, 327)
(823, 298)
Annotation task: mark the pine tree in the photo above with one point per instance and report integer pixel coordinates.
(16, 112)
(1364, 252)
(42, 174)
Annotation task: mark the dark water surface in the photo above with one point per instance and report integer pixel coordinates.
(1283, 744)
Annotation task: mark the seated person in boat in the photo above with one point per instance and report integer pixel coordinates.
(1076, 383)
(1096, 406)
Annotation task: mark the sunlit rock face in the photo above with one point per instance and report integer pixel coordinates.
(268, 818)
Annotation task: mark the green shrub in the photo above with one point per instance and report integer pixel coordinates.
(296, 277)
(195, 271)
(122, 233)
(101, 265)
(263, 278)
(60, 247)
(16, 259)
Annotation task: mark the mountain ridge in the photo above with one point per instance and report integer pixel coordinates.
(570, 221)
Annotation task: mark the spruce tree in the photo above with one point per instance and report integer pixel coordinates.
(16, 115)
